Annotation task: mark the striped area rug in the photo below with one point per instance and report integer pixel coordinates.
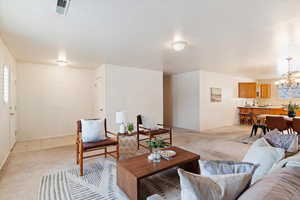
(99, 183)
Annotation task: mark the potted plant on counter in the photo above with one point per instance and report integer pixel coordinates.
(292, 109)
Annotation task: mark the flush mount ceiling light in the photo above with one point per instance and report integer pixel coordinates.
(62, 62)
(179, 45)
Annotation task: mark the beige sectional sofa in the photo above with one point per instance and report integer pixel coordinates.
(281, 184)
(281, 181)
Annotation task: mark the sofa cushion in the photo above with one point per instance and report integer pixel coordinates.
(282, 163)
(218, 167)
(213, 187)
(263, 155)
(288, 142)
(282, 184)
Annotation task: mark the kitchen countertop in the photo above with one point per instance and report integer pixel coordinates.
(262, 107)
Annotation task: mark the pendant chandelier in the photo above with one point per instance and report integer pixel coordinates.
(289, 79)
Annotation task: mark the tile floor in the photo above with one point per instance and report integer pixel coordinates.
(29, 161)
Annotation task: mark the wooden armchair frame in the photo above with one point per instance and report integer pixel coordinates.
(82, 147)
(151, 133)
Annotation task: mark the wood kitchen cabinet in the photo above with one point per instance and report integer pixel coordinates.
(247, 90)
(265, 91)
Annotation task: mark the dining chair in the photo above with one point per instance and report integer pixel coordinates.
(296, 125)
(276, 122)
(256, 124)
(84, 147)
(150, 134)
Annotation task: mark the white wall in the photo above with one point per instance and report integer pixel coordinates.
(51, 98)
(136, 91)
(191, 106)
(213, 115)
(6, 58)
(185, 100)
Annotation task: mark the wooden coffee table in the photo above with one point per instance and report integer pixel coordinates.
(130, 171)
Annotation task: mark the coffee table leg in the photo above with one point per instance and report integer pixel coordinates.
(192, 166)
(128, 183)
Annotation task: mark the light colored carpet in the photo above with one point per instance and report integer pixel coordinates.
(99, 183)
(20, 177)
(247, 139)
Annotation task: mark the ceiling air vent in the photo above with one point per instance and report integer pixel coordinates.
(62, 7)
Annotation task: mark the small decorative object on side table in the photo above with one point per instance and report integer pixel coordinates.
(121, 119)
(130, 128)
(155, 145)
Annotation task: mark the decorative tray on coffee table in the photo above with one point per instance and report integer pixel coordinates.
(167, 154)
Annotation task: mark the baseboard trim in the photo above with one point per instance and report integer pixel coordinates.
(41, 138)
(4, 161)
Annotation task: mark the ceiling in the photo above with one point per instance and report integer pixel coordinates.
(248, 38)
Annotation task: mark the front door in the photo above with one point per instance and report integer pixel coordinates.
(12, 107)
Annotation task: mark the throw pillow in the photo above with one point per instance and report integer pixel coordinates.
(282, 163)
(288, 142)
(218, 167)
(261, 142)
(213, 187)
(292, 164)
(155, 197)
(92, 130)
(265, 157)
(149, 124)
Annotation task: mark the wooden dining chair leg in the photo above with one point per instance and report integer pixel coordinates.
(264, 130)
(118, 151)
(105, 152)
(252, 131)
(138, 141)
(77, 153)
(81, 160)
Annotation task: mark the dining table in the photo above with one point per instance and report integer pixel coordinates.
(287, 118)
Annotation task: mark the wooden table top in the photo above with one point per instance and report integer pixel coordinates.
(264, 116)
(140, 166)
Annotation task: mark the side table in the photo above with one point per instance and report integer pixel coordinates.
(128, 144)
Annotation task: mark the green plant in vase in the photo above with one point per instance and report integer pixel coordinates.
(292, 109)
(130, 127)
(155, 145)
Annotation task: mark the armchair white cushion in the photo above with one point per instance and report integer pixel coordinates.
(92, 130)
(149, 124)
